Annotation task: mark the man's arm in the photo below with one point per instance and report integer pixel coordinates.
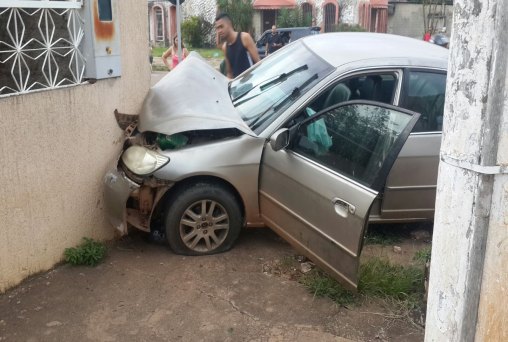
(229, 71)
(266, 49)
(249, 44)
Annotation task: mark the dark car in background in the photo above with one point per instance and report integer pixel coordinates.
(288, 35)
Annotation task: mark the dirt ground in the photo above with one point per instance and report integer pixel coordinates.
(145, 292)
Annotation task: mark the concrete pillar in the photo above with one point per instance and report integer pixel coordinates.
(468, 291)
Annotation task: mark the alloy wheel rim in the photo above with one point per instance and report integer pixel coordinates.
(204, 226)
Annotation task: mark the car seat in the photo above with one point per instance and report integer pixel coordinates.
(340, 93)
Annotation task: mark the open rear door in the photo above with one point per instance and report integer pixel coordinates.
(316, 193)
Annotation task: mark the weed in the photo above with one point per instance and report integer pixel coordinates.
(89, 253)
(402, 286)
(381, 279)
(205, 53)
(322, 285)
(287, 264)
(423, 255)
(382, 235)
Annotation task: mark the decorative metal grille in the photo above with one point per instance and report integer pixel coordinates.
(40, 45)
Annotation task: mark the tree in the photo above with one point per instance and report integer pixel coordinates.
(342, 27)
(195, 31)
(293, 18)
(433, 12)
(240, 11)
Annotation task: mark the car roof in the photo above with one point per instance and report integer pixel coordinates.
(345, 47)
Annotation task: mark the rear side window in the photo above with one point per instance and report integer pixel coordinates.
(424, 93)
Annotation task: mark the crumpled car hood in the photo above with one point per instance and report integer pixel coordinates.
(193, 96)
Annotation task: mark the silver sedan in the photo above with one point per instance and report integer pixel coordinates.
(330, 132)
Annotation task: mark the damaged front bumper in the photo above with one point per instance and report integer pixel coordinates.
(118, 189)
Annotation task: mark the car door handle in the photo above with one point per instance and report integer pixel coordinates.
(343, 208)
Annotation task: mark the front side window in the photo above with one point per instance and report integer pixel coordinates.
(424, 93)
(267, 89)
(354, 140)
(379, 87)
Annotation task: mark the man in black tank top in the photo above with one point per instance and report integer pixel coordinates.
(239, 48)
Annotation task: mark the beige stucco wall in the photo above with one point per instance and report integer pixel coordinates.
(408, 20)
(54, 148)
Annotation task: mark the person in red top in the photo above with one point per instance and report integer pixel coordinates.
(426, 36)
(173, 53)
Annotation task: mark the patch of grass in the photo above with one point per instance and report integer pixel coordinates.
(209, 53)
(206, 53)
(322, 285)
(382, 235)
(378, 278)
(287, 264)
(156, 67)
(158, 51)
(423, 255)
(89, 253)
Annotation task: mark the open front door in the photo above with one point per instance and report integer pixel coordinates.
(316, 192)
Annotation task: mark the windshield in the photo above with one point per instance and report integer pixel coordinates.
(265, 91)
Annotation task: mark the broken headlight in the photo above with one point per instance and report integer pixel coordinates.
(143, 161)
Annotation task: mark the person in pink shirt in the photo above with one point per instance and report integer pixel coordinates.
(172, 53)
(426, 36)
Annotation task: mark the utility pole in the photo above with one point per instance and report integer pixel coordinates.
(179, 29)
(468, 290)
(178, 4)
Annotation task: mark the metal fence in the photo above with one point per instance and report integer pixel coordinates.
(40, 45)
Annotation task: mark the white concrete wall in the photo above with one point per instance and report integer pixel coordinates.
(408, 20)
(54, 148)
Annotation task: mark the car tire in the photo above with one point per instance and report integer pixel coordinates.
(190, 230)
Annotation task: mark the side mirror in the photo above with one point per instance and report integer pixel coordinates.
(280, 139)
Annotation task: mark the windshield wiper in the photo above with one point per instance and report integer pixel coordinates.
(263, 86)
(284, 76)
(294, 93)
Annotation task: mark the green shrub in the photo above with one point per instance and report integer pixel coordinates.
(240, 12)
(293, 18)
(89, 253)
(196, 31)
(348, 28)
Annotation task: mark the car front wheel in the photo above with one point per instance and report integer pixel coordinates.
(203, 219)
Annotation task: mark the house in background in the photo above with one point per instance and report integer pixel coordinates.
(162, 17)
(373, 15)
(407, 19)
(161, 22)
(324, 13)
(370, 14)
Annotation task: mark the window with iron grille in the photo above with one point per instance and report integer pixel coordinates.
(40, 44)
